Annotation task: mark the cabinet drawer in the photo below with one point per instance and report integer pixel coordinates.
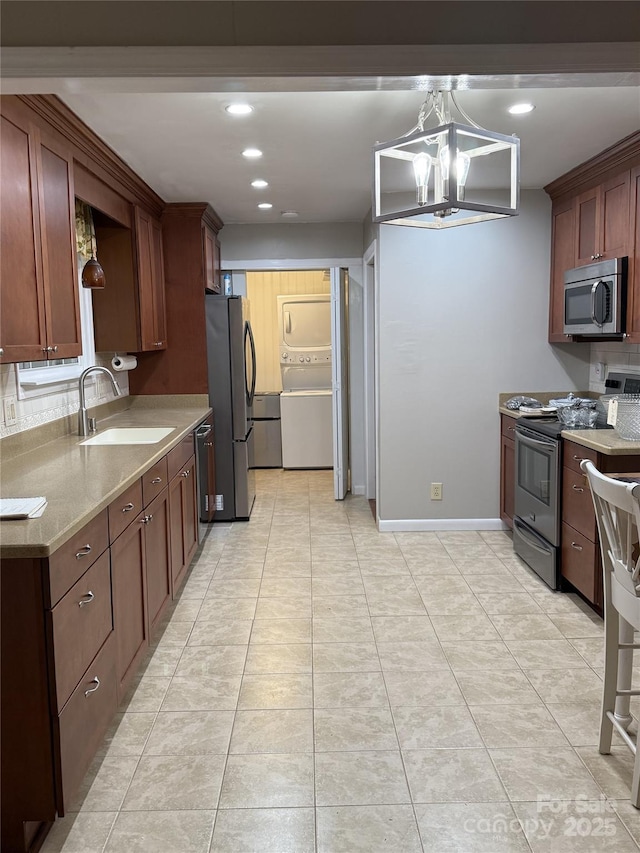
(577, 504)
(124, 509)
(573, 455)
(508, 426)
(580, 562)
(179, 456)
(81, 622)
(73, 558)
(154, 481)
(84, 721)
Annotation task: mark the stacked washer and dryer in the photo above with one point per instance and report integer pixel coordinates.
(305, 365)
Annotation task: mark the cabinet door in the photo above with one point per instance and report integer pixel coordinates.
(211, 249)
(22, 314)
(158, 557)
(128, 579)
(57, 231)
(614, 213)
(183, 522)
(633, 286)
(587, 212)
(562, 259)
(150, 282)
(507, 479)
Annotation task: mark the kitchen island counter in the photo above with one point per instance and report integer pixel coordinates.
(78, 480)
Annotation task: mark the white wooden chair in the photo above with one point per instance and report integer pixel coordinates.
(617, 507)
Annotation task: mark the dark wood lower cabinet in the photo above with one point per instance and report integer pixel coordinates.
(74, 628)
(158, 558)
(184, 521)
(128, 582)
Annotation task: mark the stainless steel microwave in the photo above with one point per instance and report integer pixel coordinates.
(595, 299)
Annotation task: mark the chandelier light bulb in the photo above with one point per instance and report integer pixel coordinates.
(462, 164)
(421, 171)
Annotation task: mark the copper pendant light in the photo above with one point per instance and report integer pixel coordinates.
(93, 275)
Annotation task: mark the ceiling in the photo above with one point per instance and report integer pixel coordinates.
(317, 144)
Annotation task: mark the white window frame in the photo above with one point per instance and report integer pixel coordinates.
(57, 378)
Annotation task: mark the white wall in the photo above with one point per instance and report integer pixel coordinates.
(463, 317)
(279, 246)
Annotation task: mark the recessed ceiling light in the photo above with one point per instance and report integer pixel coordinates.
(252, 153)
(264, 205)
(521, 109)
(239, 109)
(289, 214)
(259, 184)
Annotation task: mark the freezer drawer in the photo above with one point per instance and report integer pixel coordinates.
(266, 405)
(267, 445)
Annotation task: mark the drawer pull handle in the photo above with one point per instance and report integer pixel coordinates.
(577, 488)
(86, 599)
(127, 508)
(578, 458)
(156, 480)
(95, 681)
(576, 546)
(86, 549)
(210, 443)
(146, 519)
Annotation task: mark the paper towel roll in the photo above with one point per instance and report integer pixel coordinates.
(124, 362)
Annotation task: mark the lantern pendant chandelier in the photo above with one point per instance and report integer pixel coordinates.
(418, 183)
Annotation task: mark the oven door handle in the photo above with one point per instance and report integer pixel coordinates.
(548, 445)
(528, 536)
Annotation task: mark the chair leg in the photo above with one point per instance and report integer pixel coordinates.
(635, 784)
(625, 673)
(611, 629)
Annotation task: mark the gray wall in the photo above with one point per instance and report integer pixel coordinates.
(290, 241)
(278, 245)
(463, 317)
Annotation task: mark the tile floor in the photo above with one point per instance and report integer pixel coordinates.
(323, 688)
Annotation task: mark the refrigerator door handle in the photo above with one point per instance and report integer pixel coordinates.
(250, 391)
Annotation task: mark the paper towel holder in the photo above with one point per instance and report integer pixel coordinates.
(124, 362)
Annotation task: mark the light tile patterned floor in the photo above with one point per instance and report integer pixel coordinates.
(320, 687)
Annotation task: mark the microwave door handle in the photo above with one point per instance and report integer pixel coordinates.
(594, 294)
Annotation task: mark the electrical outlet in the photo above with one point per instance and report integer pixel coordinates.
(436, 491)
(10, 414)
(220, 502)
(600, 368)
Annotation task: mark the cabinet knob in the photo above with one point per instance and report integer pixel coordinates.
(53, 349)
(184, 474)
(1, 351)
(127, 507)
(95, 681)
(146, 519)
(83, 552)
(86, 599)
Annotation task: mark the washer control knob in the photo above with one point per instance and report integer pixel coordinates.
(307, 359)
(284, 355)
(301, 358)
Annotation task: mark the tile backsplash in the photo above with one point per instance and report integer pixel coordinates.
(617, 356)
(49, 406)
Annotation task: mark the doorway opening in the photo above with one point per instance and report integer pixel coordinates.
(370, 376)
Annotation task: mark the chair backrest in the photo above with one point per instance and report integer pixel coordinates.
(617, 511)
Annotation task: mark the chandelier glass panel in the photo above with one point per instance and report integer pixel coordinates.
(418, 183)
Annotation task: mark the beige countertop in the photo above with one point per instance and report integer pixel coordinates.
(605, 441)
(80, 481)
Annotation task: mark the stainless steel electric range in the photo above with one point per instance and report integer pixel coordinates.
(538, 485)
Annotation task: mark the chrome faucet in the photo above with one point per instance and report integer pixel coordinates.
(83, 419)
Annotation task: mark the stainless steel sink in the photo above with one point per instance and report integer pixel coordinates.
(130, 435)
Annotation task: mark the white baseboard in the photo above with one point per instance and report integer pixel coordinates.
(357, 490)
(406, 525)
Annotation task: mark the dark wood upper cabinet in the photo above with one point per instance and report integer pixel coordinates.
(594, 211)
(562, 258)
(153, 321)
(39, 303)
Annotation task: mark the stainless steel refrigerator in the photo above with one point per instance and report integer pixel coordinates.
(231, 356)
